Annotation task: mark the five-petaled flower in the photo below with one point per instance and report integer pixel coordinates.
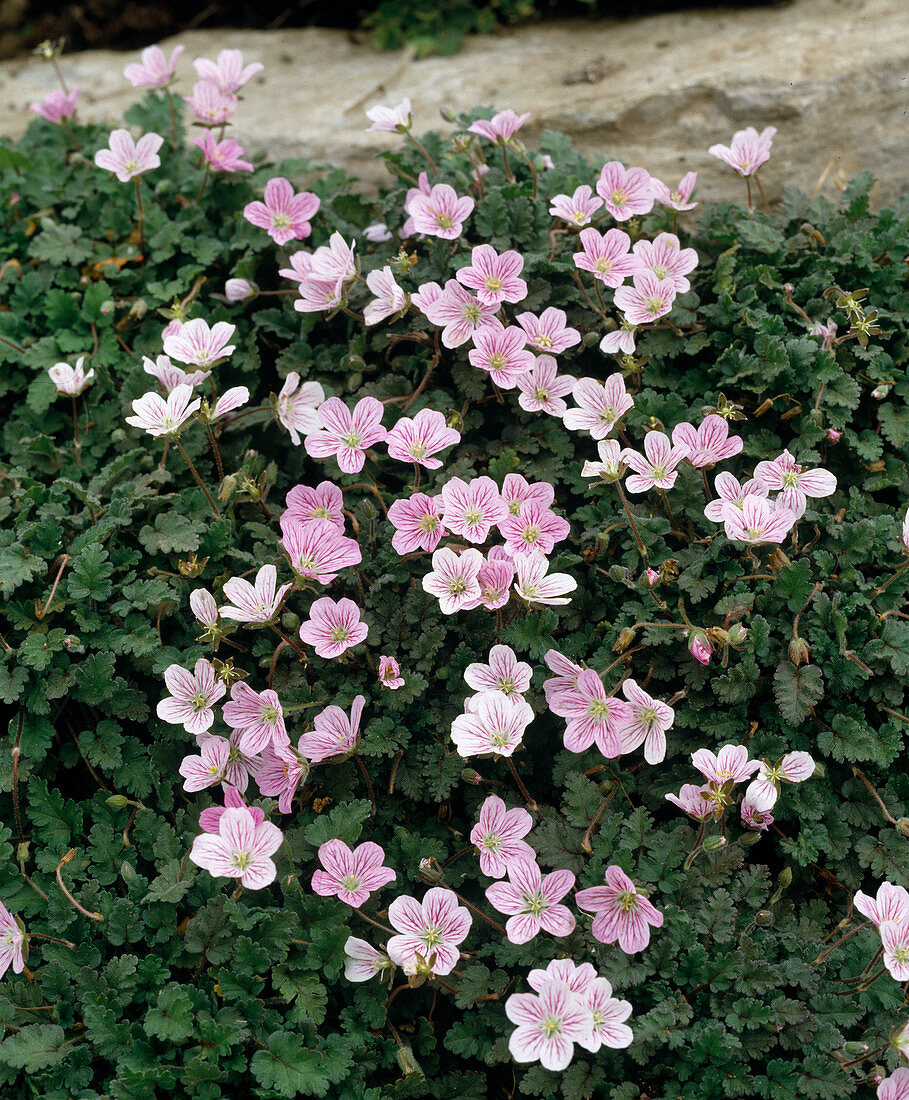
(284, 214)
(333, 627)
(620, 912)
(192, 696)
(430, 931)
(242, 849)
(351, 875)
(498, 836)
(531, 901)
(128, 158)
(747, 151)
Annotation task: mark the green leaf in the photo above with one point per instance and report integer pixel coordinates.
(289, 1068)
(34, 1047)
(797, 690)
(172, 1016)
(91, 573)
(344, 822)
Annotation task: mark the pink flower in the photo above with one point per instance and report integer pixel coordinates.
(543, 389)
(895, 942)
(390, 673)
(904, 533)
(700, 648)
(332, 628)
(731, 495)
(658, 469)
(363, 961)
(390, 298)
(708, 443)
(606, 256)
(612, 461)
(753, 818)
(254, 603)
(625, 192)
(498, 836)
(593, 717)
(828, 332)
(258, 717)
(494, 578)
(210, 105)
(563, 682)
(679, 199)
(430, 931)
(622, 339)
(377, 232)
(576, 976)
(192, 696)
(240, 290)
(549, 332)
(537, 585)
(649, 299)
(417, 523)
(531, 901)
(646, 724)
(203, 606)
(241, 849)
(794, 483)
(347, 435)
(695, 801)
(284, 213)
(748, 150)
(297, 406)
(206, 769)
(12, 943)
(318, 550)
(128, 158)
(764, 789)
(535, 530)
(423, 188)
(503, 672)
(280, 773)
(454, 579)
(155, 71)
(70, 381)
(418, 439)
(518, 492)
(620, 912)
(890, 904)
(171, 376)
(228, 72)
(457, 309)
(495, 725)
(549, 1024)
(335, 734)
(351, 875)
(198, 345)
(609, 1014)
(494, 276)
(664, 258)
(578, 208)
(210, 818)
(222, 156)
(730, 764)
(441, 213)
(759, 521)
(600, 405)
(894, 1087)
(501, 128)
(500, 351)
(300, 266)
(471, 508)
(390, 120)
(228, 402)
(56, 105)
(308, 505)
(319, 295)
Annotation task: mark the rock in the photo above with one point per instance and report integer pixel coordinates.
(831, 75)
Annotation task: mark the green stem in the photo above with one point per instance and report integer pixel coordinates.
(195, 473)
(634, 529)
(422, 149)
(141, 214)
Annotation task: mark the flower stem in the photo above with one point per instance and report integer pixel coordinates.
(175, 141)
(195, 473)
(141, 213)
(821, 957)
(508, 171)
(201, 190)
(76, 437)
(533, 174)
(422, 149)
(881, 588)
(374, 923)
(216, 452)
(634, 529)
(585, 843)
(66, 858)
(479, 912)
(877, 798)
(527, 798)
(52, 939)
(372, 796)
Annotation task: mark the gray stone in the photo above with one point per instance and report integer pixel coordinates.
(831, 75)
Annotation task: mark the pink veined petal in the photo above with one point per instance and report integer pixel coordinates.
(558, 920)
(237, 829)
(210, 852)
(797, 766)
(522, 927)
(557, 884)
(526, 1042)
(817, 483)
(336, 858)
(406, 915)
(505, 897)
(524, 1008)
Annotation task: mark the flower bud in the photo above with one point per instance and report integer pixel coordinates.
(715, 843)
(788, 288)
(833, 435)
(368, 509)
(118, 801)
(854, 1049)
(784, 878)
(749, 838)
(699, 647)
(763, 919)
(228, 487)
(902, 826)
(449, 114)
(290, 620)
(737, 634)
(127, 871)
(471, 775)
(625, 639)
(799, 652)
(651, 578)
(606, 787)
(240, 290)
(880, 392)
(409, 1065)
(876, 1076)
(590, 338)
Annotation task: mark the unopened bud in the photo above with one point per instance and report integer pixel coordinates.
(749, 838)
(368, 509)
(118, 801)
(788, 288)
(784, 878)
(429, 871)
(799, 652)
(876, 1076)
(714, 843)
(624, 641)
(449, 114)
(228, 488)
(471, 775)
(290, 620)
(409, 1065)
(902, 826)
(606, 787)
(590, 338)
(880, 392)
(833, 436)
(127, 871)
(854, 1049)
(737, 634)
(764, 919)
(651, 578)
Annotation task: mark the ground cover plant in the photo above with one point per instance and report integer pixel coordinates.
(452, 643)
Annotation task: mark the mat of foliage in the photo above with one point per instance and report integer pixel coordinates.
(183, 988)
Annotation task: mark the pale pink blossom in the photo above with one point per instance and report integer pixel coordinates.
(128, 158)
(531, 901)
(536, 585)
(495, 577)
(549, 332)
(564, 679)
(593, 717)
(501, 128)
(222, 156)
(664, 258)
(621, 914)
(577, 976)
(284, 213)
(351, 875)
(517, 492)
(335, 734)
(471, 508)
(333, 627)
(377, 233)
(891, 904)
(228, 72)
(203, 606)
(494, 276)
(895, 942)
(753, 818)
(747, 151)
(730, 765)
(646, 724)
(495, 725)
(241, 849)
(498, 836)
(536, 529)
(334, 262)
(731, 495)
(455, 308)
(389, 297)
(600, 405)
(170, 376)
(300, 266)
(198, 345)
(620, 340)
(211, 105)
(423, 188)
(417, 523)
(609, 1014)
(71, 381)
(612, 461)
(362, 961)
(206, 769)
(710, 442)
(311, 505)
(625, 191)
(430, 931)
(549, 1024)
(257, 602)
(347, 435)
(649, 299)
(418, 439)
(503, 672)
(577, 208)
(501, 351)
(607, 256)
(319, 296)
(764, 789)
(693, 800)
(228, 402)
(827, 332)
(454, 579)
(543, 389)
(318, 550)
(56, 105)
(154, 71)
(281, 770)
(297, 406)
(894, 1087)
(209, 819)
(257, 716)
(904, 533)
(240, 290)
(390, 120)
(441, 213)
(794, 483)
(680, 198)
(700, 648)
(759, 521)
(192, 696)
(12, 943)
(390, 673)
(656, 468)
